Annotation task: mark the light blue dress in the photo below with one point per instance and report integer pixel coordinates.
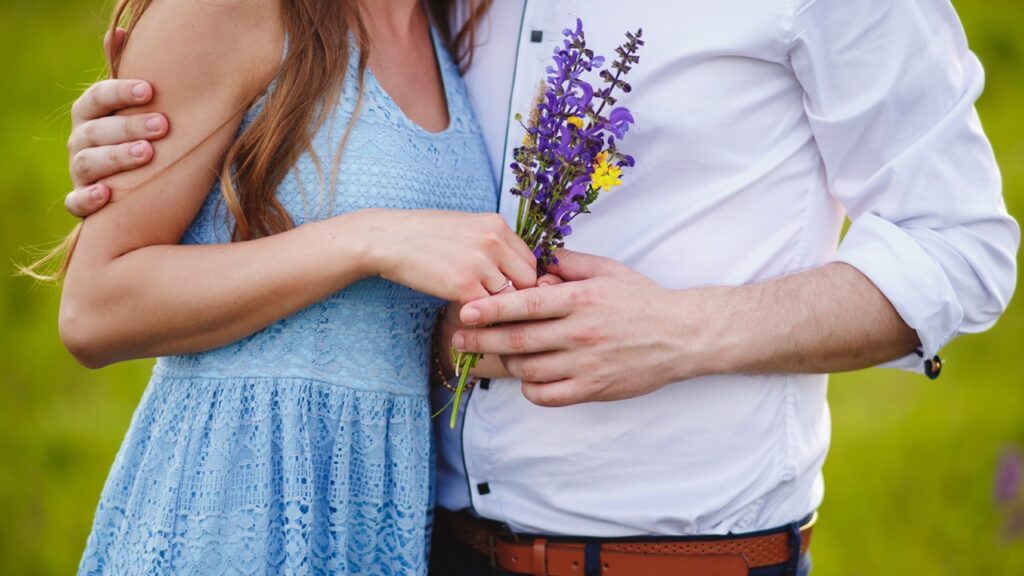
(305, 448)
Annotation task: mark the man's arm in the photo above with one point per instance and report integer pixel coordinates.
(609, 333)
(102, 144)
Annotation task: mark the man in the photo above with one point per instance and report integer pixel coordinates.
(671, 390)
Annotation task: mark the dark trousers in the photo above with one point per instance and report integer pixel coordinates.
(450, 557)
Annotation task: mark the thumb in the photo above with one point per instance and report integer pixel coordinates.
(575, 266)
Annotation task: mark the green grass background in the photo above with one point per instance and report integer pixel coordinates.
(909, 477)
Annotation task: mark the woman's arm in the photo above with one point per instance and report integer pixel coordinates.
(208, 61)
(132, 292)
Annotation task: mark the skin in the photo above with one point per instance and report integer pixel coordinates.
(132, 291)
(598, 331)
(608, 333)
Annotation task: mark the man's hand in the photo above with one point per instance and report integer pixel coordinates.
(490, 366)
(607, 333)
(101, 144)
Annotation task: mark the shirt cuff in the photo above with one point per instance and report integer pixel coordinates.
(909, 278)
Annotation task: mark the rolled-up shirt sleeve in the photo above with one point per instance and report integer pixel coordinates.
(890, 87)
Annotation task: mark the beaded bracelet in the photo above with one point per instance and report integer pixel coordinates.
(445, 381)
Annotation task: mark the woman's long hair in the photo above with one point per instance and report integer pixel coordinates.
(306, 90)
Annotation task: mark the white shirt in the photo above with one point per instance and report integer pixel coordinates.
(760, 124)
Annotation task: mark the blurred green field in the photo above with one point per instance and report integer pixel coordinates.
(909, 477)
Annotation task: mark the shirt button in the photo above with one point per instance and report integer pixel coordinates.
(933, 367)
(537, 36)
(483, 488)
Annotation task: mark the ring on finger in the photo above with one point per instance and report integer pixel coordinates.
(505, 286)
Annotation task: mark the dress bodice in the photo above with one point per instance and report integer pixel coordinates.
(373, 334)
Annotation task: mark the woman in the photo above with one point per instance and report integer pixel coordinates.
(286, 428)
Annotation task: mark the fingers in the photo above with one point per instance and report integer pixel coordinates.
(526, 338)
(93, 164)
(549, 280)
(495, 282)
(533, 304)
(578, 266)
(554, 394)
(522, 274)
(87, 201)
(538, 368)
(108, 96)
(111, 130)
(519, 246)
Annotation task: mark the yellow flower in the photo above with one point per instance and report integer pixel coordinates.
(605, 176)
(575, 121)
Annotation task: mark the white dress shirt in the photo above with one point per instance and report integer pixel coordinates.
(760, 124)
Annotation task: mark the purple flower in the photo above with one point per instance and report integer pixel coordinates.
(553, 168)
(619, 121)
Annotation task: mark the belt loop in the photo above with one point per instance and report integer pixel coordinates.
(592, 559)
(793, 565)
(492, 551)
(540, 557)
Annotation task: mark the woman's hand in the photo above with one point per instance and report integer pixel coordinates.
(452, 255)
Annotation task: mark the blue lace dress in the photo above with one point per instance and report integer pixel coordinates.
(305, 448)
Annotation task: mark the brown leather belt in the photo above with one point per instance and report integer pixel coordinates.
(713, 556)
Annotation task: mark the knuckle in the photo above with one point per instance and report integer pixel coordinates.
(517, 339)
(495, 221)
(580, 296)
(528, 372)
(88, 131)
(533, 302)
(491, 240)
(80, 165)
(587, 337)
(472, 340)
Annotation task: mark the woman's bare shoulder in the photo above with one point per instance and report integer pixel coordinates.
(206, 60)
(221, 45)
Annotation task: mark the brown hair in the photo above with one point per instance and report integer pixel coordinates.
(307, 88)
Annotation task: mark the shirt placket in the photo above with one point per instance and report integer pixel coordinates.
(538, 30)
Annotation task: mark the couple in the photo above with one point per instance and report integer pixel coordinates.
(283, 211)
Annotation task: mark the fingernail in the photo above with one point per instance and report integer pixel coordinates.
(139, 91)
(544, 283)
(96, 193)
(458, 341)
(470, 314)
(154, 124)
(138, 150)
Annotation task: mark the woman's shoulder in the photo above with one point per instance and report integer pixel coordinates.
(202, 44)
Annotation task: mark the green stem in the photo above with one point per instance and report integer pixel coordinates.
(466, 362)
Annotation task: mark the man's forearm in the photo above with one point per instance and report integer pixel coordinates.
(831, 319)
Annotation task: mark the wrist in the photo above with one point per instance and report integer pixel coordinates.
(368, 243)
(707, 340)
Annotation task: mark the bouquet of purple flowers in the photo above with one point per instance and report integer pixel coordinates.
(569, 155)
